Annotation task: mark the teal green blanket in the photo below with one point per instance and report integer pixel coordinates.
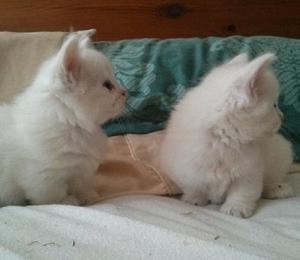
(158, 72)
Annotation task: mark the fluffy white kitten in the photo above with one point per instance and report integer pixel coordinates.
(221, 143)
(50, 138)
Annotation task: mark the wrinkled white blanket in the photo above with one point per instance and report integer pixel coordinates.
(151, 227)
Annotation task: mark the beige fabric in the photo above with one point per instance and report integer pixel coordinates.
(130, 166)
(20, 56)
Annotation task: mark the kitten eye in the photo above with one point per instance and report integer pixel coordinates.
(107, 84)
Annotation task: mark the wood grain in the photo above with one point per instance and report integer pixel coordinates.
(122, 19)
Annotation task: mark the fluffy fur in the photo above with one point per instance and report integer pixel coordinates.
(50, 138)
(221, 143)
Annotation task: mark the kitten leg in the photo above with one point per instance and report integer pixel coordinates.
(48, 191)
(70, 200)
(243, 195)
(10, 194)
(217, 199)
(83, 189)
(279, 158)
(217, 191)
(195, 196)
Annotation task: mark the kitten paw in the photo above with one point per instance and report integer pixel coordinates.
(89, 198)
(238, 209)
(70, 200)
(277, 191)
(217, 200)
(195, 199)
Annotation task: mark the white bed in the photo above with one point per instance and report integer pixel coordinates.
(141, 227)
(151, 227)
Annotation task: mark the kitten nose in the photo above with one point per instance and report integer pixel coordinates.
(281, 116)
(124, 92)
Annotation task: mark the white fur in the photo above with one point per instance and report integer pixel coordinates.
(221, 143)
(51, 142)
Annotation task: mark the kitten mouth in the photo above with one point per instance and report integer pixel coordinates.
(118, 100)
(275, 129)
(118, 107)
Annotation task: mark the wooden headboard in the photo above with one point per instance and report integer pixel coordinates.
(123, 19)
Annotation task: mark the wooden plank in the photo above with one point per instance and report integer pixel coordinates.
(121, 19)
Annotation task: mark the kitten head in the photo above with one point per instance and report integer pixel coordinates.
(83, 79)
(246, 97)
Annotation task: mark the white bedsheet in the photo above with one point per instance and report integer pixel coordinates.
(151, 227)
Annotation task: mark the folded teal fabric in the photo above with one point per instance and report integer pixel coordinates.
(158, 72)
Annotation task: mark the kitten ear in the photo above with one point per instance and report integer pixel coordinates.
(255, 69)
(246, 86)
(85, 37)
(86, 33)
(70, 60)
(241, 58)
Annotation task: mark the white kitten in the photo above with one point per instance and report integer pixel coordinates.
(51, 142)
(221, 142)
